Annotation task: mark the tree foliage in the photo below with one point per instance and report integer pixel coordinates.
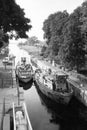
(32, 40)
(12, 18)
(53, 30)
(73, 44)
(3, 38)
(66, 36)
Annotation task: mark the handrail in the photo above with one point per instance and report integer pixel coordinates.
(27, 116)
(14, 116)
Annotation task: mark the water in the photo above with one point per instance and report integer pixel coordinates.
(44, 115)
(37, 112)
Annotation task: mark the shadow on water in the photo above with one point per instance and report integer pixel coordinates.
(27, 85)
(71, 117)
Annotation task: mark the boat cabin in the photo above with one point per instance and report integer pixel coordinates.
(23, 59)
(60, 82)
(56, 82)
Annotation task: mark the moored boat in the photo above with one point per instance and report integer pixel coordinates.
(56, 87)
(24, 71)
(21, 120)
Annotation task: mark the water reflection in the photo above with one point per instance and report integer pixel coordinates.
(25, 86)
(38, 115)
(68, 118)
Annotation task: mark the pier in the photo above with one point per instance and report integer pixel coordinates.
(80, 88)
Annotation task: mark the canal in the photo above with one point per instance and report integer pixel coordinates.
(44, 114)
(39, 115)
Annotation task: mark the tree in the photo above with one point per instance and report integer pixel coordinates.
(52, 28)
(32, 40)
(12, 18)
(46, 29)
(83, 20)
(3, 39)
(73, 53)
(67, 36)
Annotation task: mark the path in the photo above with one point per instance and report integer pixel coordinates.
(9, 95)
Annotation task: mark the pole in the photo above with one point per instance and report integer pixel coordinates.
(18, 93)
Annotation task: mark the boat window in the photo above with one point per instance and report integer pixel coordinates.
(60, 83)
(38, 71)
(61, 79)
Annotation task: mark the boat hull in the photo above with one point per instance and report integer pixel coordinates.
(26, 84)
(26, 80)
(56, 97)
(24, 74)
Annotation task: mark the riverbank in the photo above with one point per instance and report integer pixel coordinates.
(35, 52)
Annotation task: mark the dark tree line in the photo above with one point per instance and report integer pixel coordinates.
(66, 37)
(12, 19)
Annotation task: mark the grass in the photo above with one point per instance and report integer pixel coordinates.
(33, 50)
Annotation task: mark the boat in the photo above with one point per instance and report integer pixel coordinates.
(24, 71)
(54, 86)
(21, 120)
(59, 112)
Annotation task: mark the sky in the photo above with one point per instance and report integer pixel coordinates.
(39, 10)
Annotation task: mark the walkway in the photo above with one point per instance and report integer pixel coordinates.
(9, 95)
